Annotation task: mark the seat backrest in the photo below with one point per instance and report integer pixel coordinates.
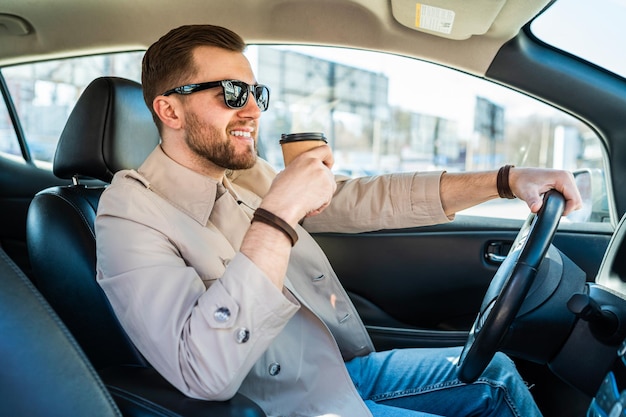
(44, 371)
(109, 129)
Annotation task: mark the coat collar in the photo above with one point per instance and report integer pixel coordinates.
(189, 191)
(194, 193)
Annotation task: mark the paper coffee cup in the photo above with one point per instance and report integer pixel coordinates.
(293, 144)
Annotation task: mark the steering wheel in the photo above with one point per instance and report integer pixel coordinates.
(509, 287)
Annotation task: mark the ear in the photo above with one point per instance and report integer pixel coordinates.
(169, 111)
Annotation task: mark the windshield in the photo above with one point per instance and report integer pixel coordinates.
(592, 30)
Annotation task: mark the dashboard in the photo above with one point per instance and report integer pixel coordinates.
(610, 399)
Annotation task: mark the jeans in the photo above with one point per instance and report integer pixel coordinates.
(424, 383)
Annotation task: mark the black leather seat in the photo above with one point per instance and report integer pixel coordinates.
(109, 129)
(43, 370)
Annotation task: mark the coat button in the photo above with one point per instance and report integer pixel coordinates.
(274, 369)
(222, 315)
(242, 335)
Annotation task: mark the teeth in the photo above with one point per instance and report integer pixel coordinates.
(240, 133)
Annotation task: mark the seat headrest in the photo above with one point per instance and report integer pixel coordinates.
(109, 129)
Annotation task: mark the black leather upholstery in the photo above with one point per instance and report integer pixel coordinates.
(109, 129)
(43, 371)
(61, 243)
(143, 392)
(60, 222)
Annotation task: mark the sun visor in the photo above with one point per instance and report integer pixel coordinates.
(454, 19)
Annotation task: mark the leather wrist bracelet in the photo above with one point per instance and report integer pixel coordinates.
(276, 222)
(502, 182)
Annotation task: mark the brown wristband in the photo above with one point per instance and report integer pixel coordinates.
(502, 182)
(276, 222)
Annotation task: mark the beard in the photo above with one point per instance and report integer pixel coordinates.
(209, 143)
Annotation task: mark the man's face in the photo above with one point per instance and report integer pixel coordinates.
(214, 132)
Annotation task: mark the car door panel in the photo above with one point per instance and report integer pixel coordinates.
(423, 286)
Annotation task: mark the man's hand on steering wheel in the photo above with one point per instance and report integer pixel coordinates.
(530, 184)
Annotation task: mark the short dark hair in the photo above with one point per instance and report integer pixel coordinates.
(168, 62)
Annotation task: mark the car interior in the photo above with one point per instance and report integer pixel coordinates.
(63, 351)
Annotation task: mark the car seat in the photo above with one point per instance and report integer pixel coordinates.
(109, 129)
(44, 371)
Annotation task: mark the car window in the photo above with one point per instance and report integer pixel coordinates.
(385, 113)
(600, 40)
(44, 94)
(9, 145)
(381, 113)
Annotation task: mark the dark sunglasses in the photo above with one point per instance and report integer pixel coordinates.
(236, 92)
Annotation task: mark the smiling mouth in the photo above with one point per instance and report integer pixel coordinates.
(241, 133)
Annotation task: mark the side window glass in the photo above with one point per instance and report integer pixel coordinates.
(44, 93)
(385, 113)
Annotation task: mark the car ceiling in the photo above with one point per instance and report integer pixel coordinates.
(29, 30)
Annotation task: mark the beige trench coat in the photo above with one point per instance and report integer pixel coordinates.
(207, 318)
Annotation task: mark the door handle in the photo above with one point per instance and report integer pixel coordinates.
(496, 259)
(496, 251)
